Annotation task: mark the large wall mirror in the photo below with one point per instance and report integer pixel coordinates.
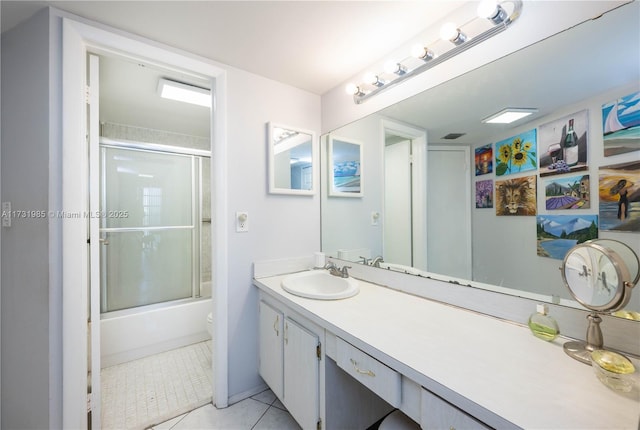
(292, 160)
(560, 76)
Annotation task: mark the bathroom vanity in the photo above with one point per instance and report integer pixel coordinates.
(346, 363)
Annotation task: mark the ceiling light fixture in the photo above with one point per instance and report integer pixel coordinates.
(509, 115)
(501, 14)
(179, 91)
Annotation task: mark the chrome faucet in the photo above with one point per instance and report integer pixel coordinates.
(333, 269)
(376, 261)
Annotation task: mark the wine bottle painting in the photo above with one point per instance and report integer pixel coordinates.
(563, 144)
(621, 125)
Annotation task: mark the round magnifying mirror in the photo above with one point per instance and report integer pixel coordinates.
(599, 275)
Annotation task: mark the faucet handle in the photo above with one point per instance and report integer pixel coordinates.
(330, 265)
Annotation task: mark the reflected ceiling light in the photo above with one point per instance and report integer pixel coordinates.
(464, 36)
(491, 10)
(181, 92)
(422, 53)
(509, 115)
(452, 33)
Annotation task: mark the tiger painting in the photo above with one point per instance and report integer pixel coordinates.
(516, 196)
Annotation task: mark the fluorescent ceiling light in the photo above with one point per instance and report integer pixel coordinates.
(184, 93)
(509, 115)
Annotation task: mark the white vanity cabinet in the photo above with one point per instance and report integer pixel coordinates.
(437, 413)
(271, 337)
(290, 363)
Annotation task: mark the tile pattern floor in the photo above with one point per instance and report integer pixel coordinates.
(151, 390)
(260, 412)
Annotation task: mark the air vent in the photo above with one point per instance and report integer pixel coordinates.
(452, 136)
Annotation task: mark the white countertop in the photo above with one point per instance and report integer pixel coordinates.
(498, 365)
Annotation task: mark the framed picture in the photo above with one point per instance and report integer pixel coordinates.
(345, 167)
(571, 192)
(484, 160)
(563, 144)
(619, 195)
(484, 194)
(621, 125)
(516, 196)
(557, 234)
(517, 154)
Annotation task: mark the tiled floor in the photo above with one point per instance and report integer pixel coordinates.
(144, 392)
(260, 412)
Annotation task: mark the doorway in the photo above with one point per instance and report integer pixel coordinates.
(449, 211)
(79, 121)
(405, 182)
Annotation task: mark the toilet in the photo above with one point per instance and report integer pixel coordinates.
(210, 324)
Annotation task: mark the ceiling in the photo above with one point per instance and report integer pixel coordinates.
(312, 45)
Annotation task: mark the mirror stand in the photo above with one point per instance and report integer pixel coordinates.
(581, 351)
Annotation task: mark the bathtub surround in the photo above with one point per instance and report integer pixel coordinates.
(131, 335)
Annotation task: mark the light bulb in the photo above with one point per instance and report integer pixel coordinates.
(487, 8)
(422, 53)
(448, 31)
(395, 67)
(491, 10)
(352, 89)
(452, 33)
(372, 79)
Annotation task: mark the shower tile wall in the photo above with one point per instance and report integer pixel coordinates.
(148, 135)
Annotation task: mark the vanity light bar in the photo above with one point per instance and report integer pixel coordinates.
(490, 10)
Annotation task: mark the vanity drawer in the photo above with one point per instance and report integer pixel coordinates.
(382, 380)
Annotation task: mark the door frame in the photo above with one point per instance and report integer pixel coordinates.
(77, 39)
(418, 139)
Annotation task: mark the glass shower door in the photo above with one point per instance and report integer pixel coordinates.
(148, 227)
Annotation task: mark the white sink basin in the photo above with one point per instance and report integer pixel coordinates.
(320, 285)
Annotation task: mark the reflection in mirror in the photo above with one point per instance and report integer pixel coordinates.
(291, 160)
(345, 170)
(504, 253)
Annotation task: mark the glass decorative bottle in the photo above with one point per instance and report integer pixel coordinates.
(570, 146)
(542, 325)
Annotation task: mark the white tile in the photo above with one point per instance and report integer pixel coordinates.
(169, 424)
(242, 415)
(276, 419)
(266, 396)
(278, 404)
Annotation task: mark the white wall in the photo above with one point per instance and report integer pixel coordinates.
(279, 225)
(356, 233)
(28, 293)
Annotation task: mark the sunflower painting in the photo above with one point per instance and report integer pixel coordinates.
(517, 154)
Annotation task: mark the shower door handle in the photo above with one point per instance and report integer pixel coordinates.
(104, 241)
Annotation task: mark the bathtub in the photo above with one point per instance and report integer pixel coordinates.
(140, 332)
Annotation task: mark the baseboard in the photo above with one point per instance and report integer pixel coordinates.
(246, 394)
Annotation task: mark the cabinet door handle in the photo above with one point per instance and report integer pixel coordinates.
(275, 325)
(361, 371)
(286, 333)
